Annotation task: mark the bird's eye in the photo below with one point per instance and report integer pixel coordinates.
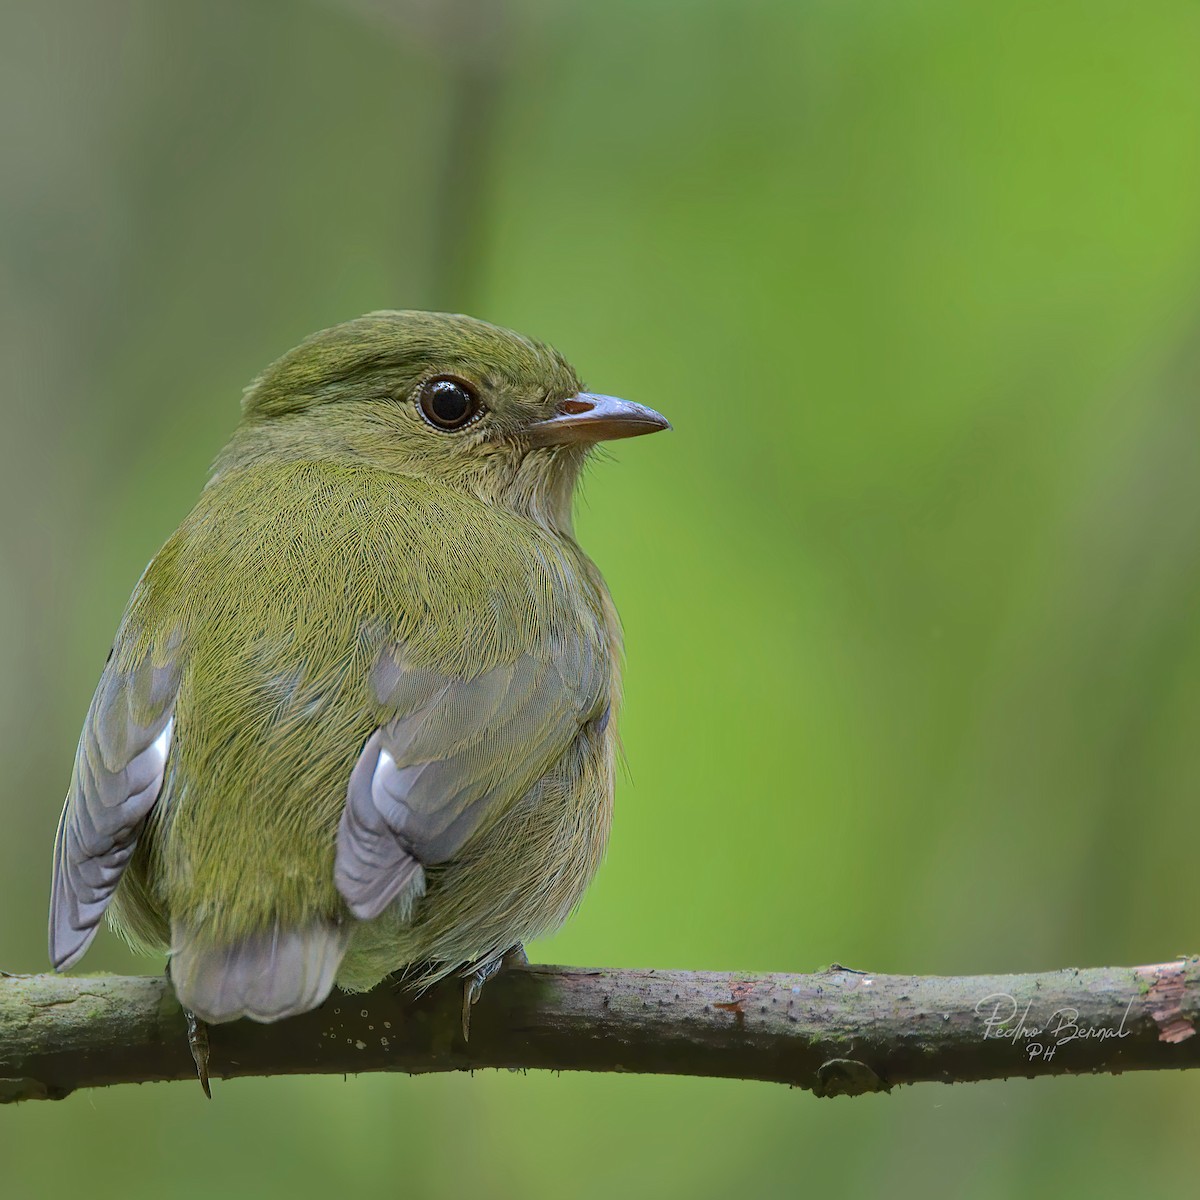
(448, 403)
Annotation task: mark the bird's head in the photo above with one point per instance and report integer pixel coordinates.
(438, 396)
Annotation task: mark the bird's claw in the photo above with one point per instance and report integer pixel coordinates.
(474, 981)
(197, 1033)
(472, 986)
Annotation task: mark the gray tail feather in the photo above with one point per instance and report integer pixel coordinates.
(267, 976)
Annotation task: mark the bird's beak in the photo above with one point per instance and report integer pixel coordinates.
(588, 417)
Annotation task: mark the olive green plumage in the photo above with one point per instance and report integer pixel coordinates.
(358, 717)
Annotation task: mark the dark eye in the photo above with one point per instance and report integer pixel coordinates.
(448, 403)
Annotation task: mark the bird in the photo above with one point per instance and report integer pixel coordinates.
(359, 717)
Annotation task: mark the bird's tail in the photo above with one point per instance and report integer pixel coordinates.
(281, 972)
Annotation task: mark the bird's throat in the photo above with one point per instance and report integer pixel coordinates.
(538, 485)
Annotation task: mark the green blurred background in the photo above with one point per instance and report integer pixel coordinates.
(910, 593)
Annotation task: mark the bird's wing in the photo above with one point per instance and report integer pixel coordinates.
(118, 774)
(454, 753)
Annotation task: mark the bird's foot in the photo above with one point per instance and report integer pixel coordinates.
(474, 980)
(197, 1033)
(197, 1036)
(472, 986)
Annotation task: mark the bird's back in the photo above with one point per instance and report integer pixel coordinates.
(280, 593)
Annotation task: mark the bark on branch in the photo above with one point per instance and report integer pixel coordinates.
(838, 1032)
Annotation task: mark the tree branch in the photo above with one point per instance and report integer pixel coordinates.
(838, 1032)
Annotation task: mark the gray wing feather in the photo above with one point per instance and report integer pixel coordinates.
(373, 866)
(118, 774)
(456, 751)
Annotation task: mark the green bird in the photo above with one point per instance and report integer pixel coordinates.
(359, 716)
